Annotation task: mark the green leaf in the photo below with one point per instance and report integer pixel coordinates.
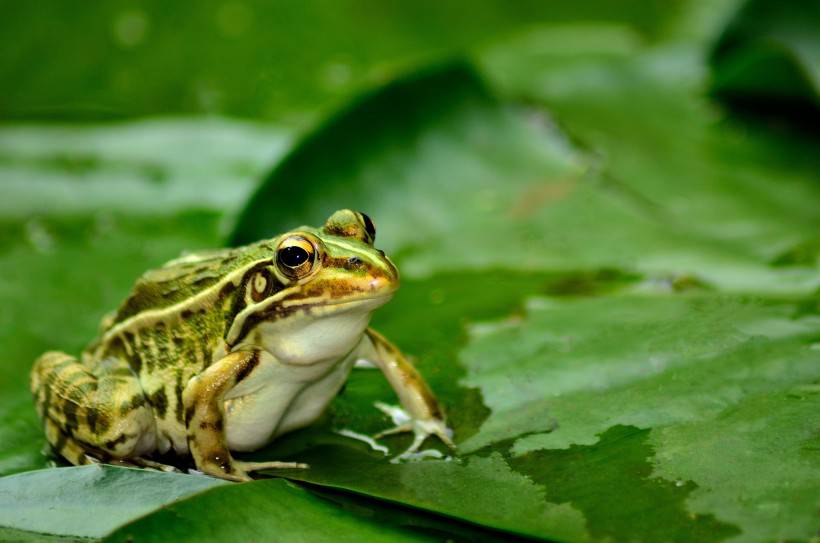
(566, 386)
(264, 510)
(89, 501)
(724, 201)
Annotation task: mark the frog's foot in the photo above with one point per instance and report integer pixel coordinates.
(153, 464)
(89, 459)
(140, 462)
(236, 475)
(239, 471)
(421, 428)
(256, 466)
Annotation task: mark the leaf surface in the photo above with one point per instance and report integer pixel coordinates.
(88, 501)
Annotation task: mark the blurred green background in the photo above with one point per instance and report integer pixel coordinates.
(287, 62)
(605, 214)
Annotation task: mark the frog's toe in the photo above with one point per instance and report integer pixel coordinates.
(238, 476)
(402, 420)
(400, 429)
(240, 471)
(257, 466)
(153, 464)
(444, 433)
(421, 428)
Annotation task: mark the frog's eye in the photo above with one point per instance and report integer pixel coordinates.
(295, 257)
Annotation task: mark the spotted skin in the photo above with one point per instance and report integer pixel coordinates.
(75, 401)
(226, 350)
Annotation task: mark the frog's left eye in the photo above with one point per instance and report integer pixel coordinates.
(295, 257)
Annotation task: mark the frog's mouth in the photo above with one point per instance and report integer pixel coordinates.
(374, 300)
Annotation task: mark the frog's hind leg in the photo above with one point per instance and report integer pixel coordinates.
(97, 412)
(64, 445)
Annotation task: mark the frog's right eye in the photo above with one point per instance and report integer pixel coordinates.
(295, 257)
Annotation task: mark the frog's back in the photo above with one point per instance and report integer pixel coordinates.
(182, 278)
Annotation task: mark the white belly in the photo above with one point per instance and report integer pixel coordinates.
(277, 398)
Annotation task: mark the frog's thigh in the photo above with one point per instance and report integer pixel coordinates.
(65, 445)
(100, 409)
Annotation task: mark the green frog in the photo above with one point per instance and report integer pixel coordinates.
(226, 350)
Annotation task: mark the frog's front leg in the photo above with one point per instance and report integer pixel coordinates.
(426, 415)
(204, 401)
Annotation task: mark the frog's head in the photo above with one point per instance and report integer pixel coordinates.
(314, 298)
(337, 264)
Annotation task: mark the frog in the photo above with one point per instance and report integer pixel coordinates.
(221, 352)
